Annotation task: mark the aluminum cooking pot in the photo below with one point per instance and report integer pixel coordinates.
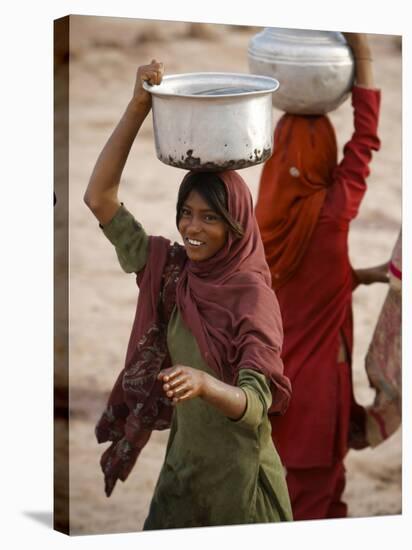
(315, 68)
(213, 121)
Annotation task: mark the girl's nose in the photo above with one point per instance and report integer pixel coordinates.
(194, 225)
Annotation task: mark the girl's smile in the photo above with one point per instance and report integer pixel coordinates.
(193, 242)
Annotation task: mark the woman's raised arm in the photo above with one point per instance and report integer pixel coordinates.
(101, 195)
(359, 45)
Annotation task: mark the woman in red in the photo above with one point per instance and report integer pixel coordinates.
(305, 204)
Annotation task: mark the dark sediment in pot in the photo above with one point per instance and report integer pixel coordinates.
(191, 162)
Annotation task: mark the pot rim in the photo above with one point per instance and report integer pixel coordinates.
(267, 83)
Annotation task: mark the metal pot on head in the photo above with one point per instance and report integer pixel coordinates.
(315, 68)
(213, 121)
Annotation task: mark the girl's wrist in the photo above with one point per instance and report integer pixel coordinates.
(140, 105)
(204, 385)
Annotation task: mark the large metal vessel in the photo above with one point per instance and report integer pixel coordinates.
(213, 121)
(315, 69)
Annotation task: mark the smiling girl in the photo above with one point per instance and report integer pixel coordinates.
(204, 351)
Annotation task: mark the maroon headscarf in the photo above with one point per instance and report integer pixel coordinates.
(228, 304)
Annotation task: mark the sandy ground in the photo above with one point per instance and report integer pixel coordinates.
(104, 56)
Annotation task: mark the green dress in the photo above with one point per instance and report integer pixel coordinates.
(216, 471)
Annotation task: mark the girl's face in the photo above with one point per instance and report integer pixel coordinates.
(203, 231)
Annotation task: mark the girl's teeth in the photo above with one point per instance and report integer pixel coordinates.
(196, 243)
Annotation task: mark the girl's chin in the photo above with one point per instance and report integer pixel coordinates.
(196, 255)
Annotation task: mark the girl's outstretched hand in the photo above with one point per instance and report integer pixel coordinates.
(181, 383)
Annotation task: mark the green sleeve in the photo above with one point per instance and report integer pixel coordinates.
(258, 396)
(129, 239)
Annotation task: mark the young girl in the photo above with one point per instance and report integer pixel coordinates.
(305, 205)
(204, 352)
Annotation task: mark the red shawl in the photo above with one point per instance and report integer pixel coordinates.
(292, 190)
(227, 302)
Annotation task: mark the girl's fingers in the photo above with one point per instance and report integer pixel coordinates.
(177, 380)
(183, 397)
(152, 77)
(170, 377)
(179, 390)
(170, 373)
(156, 65)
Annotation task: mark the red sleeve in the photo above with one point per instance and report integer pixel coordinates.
(349, 186)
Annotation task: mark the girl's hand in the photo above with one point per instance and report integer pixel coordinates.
(181, 383)
(152, 74)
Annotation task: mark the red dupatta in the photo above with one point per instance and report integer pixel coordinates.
(293, 188)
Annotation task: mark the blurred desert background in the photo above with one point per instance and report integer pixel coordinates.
(104, 55)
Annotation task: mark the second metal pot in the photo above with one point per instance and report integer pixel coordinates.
(315, 68)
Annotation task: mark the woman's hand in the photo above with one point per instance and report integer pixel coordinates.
(359, 44)
(375, 274)
(152, 74)
(181, 383)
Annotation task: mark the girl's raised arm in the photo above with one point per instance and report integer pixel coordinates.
(101, 195)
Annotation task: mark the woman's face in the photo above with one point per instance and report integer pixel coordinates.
(203, 231)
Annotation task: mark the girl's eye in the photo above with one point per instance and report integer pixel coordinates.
(185, 212)
(211, 217)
